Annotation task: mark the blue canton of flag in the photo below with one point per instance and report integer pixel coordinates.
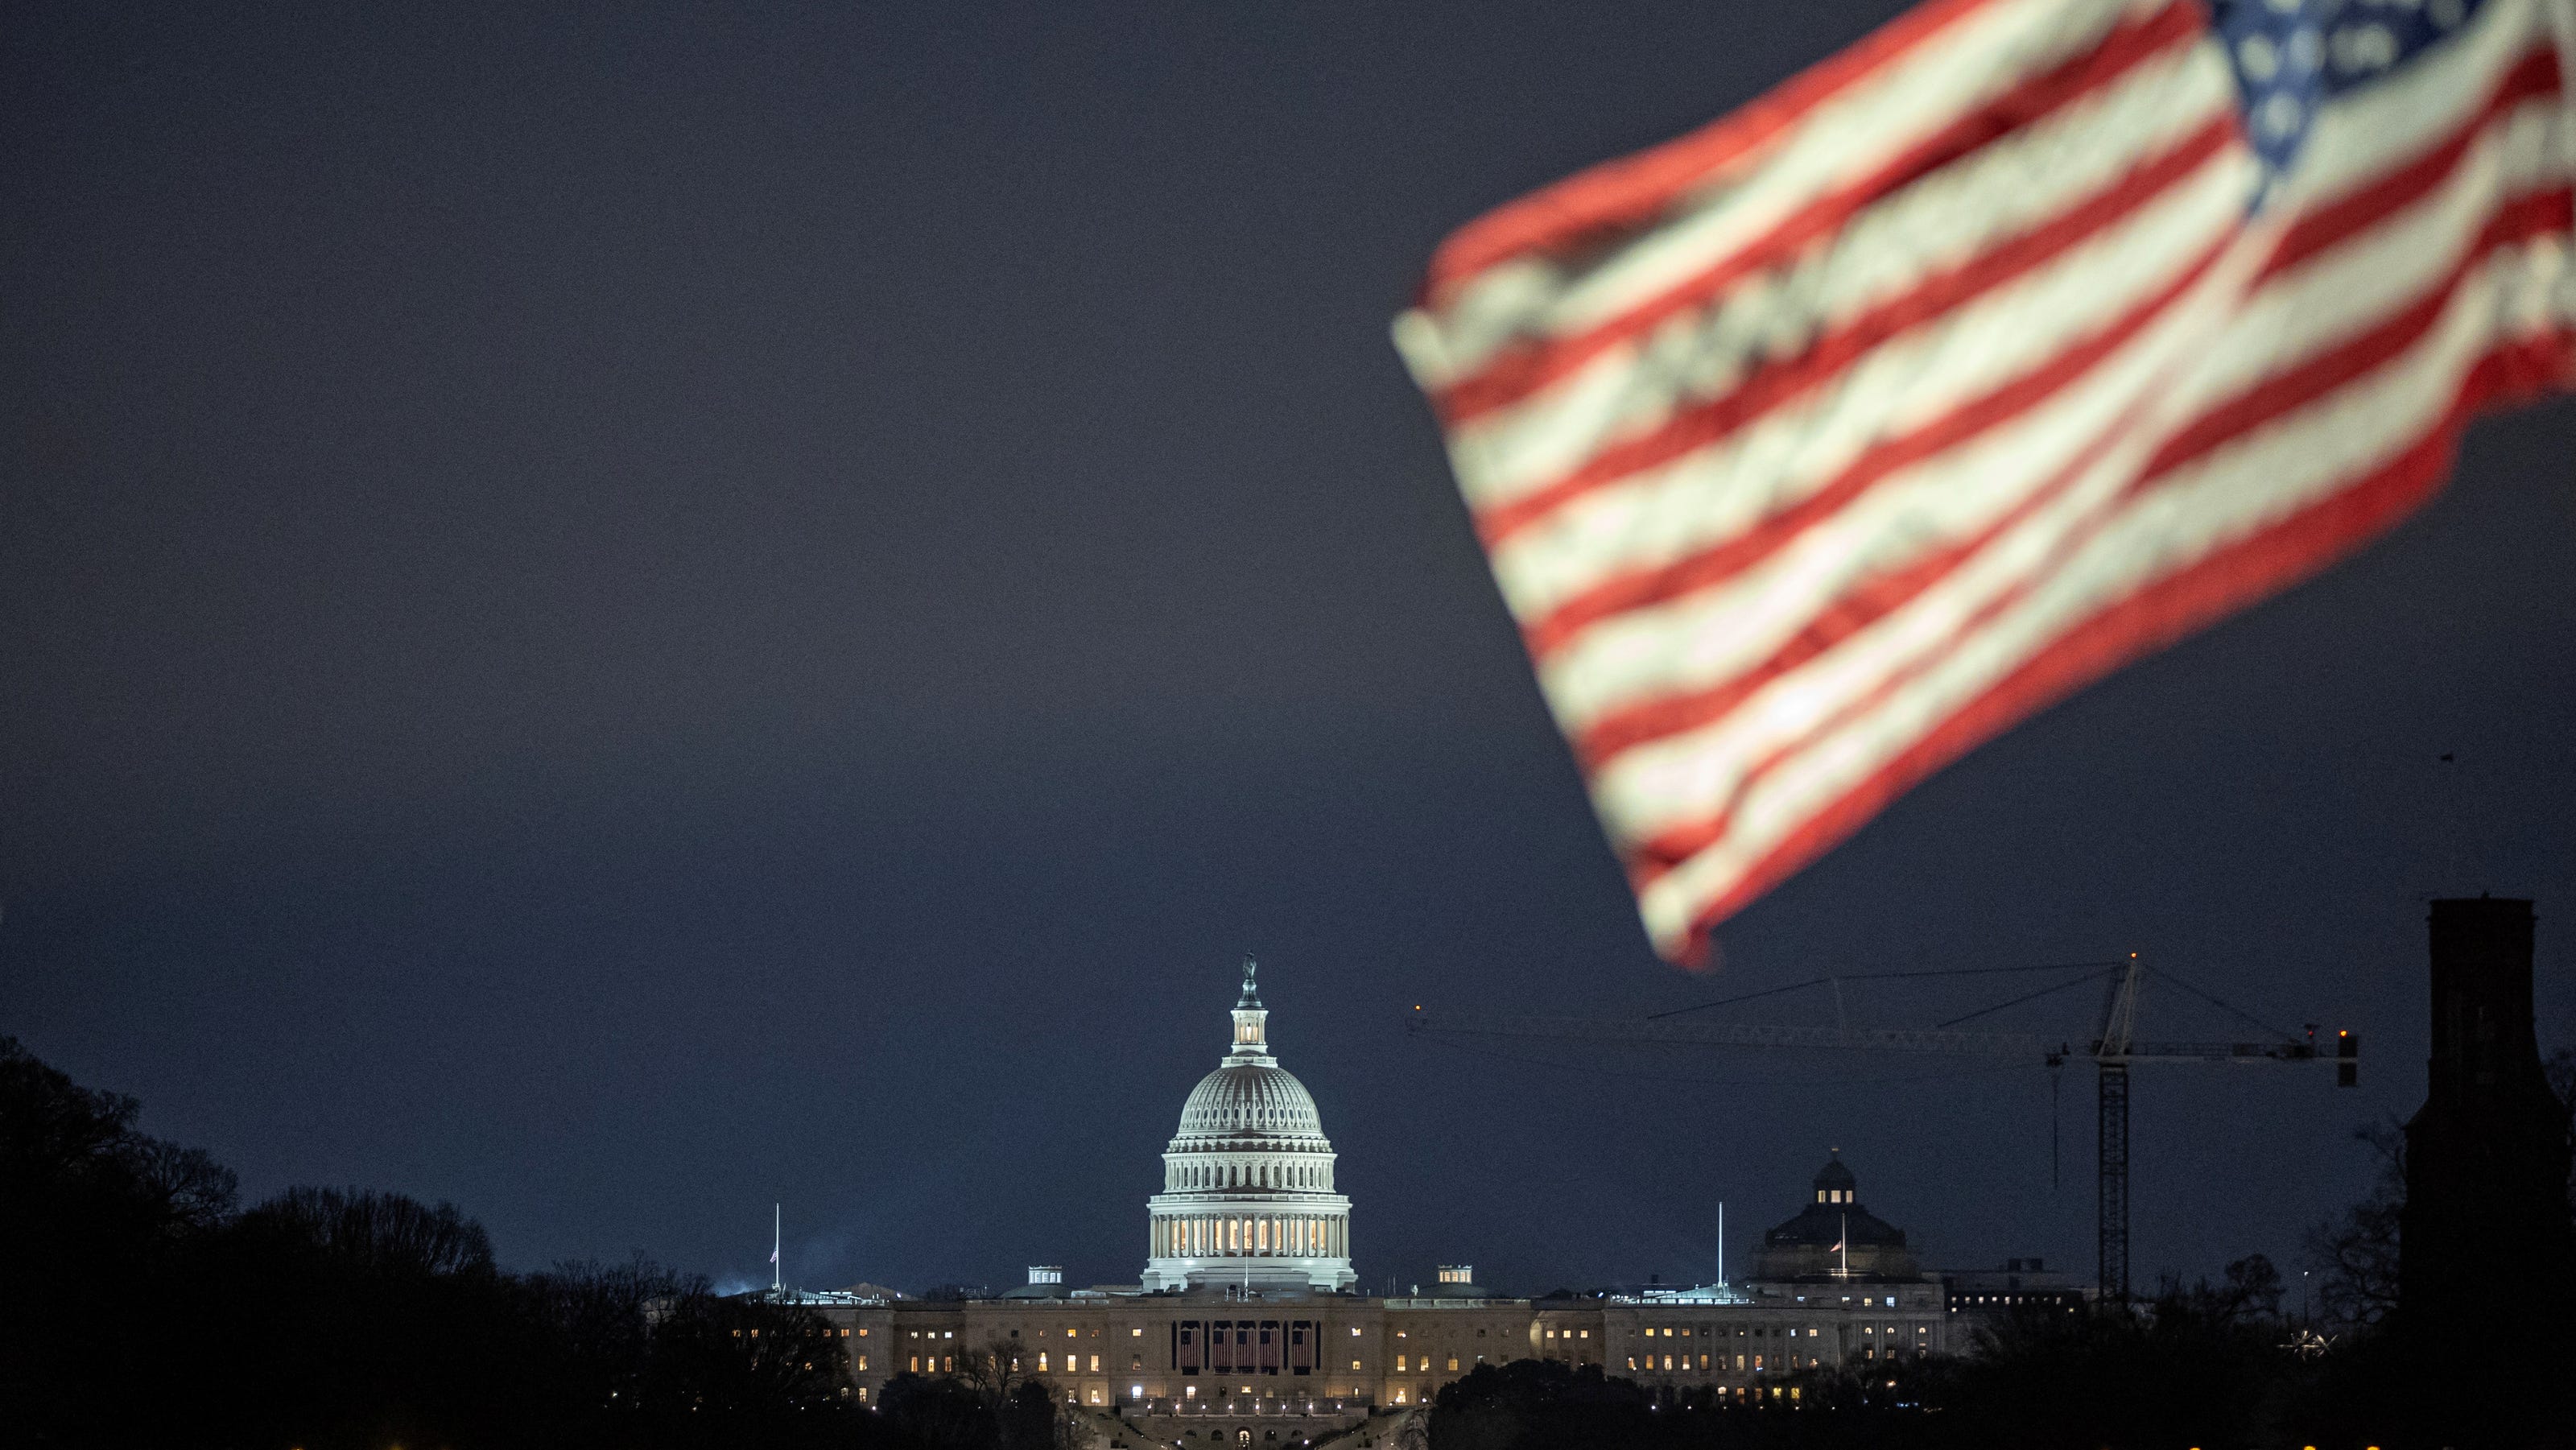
(2292, 56)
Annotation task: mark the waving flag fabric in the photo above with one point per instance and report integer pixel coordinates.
(1814, 448)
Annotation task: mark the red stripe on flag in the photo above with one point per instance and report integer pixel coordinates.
(1644, 587)
(1523, 368)
(1850, 612)
(2518, 220)
(1855, 609)
(2367, 351)
(1630, 190)
(2226, 580)
(1740, 552)
(2533, 77)
(1776, 386)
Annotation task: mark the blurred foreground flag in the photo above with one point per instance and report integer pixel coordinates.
(1815, 447)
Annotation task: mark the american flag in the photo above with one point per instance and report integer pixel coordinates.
(2025, 336)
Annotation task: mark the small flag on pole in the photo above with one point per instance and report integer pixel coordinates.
(2024, 337)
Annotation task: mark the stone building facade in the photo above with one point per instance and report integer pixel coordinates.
(1244, 1316)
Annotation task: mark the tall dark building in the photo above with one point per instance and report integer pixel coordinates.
(2487, 1154)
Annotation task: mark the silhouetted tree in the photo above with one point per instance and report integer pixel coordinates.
(938, 1412)
(2202, 1365)
(1532, 1404)
(741, 1357)
(2356, 1257)
(95, 1219)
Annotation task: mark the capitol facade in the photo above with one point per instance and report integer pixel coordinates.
(1244, 1322)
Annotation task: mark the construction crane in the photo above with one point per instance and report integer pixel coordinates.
(2114, 1049)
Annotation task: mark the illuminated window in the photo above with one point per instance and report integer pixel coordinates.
(863, 1364)
(1042, 1363)
(1355, 1364)
(1453, 1363)
(1399, 1397)
(916, 1364)
(1135, 1334)
(1583, 1334)
(1135, 1392)
(1400, 1364)
(1095, 1364)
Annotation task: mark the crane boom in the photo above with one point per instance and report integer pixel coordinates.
(1898, 1039)
(2113, 1048)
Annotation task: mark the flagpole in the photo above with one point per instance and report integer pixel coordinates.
(1721, 1243)
(777, 1225)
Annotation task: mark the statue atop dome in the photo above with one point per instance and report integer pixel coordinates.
(1251, 1042)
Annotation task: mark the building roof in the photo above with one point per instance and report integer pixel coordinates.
(1822, 1225)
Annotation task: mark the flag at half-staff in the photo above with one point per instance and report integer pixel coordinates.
(1813, 448)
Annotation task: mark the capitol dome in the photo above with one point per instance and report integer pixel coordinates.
(1244, 1098)
(1248, 1196)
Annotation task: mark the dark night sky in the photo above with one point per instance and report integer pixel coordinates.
(618, 614)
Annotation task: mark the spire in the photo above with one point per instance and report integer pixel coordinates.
(1251, 1019)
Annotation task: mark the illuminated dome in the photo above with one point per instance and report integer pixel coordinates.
(1248, 1098)
(1248, 1196)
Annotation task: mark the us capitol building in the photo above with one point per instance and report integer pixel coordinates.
(1245, 1324)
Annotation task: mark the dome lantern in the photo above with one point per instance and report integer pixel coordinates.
(1251, 1022)
(1836, 1183)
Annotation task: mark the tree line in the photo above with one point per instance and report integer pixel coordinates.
(142, 1304)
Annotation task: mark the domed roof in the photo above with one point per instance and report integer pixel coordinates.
(1243, 1097)
(1835, 1175)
